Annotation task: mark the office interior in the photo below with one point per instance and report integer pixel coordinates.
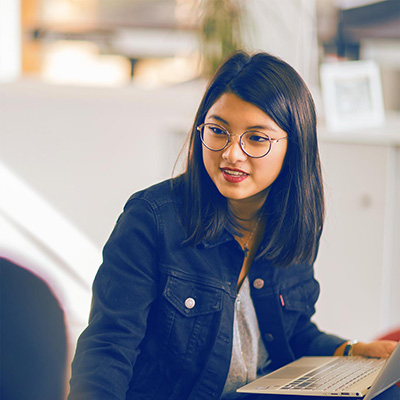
(97, 99)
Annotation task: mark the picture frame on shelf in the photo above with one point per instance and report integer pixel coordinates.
(352, 95)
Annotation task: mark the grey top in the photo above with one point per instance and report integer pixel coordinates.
(248, 351)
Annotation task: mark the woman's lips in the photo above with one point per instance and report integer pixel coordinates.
(234, 175)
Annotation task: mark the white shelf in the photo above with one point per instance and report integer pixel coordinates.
(386, 135)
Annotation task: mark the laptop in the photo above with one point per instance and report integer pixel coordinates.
(331, 376)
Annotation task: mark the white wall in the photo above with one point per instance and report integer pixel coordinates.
(86, 150)
(287, 29)
(10, 40)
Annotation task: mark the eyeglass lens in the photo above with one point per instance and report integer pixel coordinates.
(253, 143)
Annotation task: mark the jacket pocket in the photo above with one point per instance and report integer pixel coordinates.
(191, 298)
(298, 302)
(190, 313)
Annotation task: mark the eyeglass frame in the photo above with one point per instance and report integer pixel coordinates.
(229, 135)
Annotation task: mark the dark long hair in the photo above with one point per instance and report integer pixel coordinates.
(295, 204)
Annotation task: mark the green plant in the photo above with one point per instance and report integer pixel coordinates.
(220, 32)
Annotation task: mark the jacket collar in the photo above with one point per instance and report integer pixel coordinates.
(223, 238)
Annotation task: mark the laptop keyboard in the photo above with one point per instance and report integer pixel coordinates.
(336, 375)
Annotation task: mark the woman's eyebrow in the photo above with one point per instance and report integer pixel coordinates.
(213, 116)
(262, 127)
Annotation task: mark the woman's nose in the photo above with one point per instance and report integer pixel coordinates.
(233, 152)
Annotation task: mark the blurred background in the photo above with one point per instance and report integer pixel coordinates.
(97, 98)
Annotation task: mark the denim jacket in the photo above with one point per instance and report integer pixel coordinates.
(162, 313)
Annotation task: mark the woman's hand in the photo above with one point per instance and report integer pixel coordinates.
(378, 348)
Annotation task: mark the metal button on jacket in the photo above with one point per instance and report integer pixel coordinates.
(258, 283)
(190, 303)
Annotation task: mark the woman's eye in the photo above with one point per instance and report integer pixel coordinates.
(254, 137)
(217, 131)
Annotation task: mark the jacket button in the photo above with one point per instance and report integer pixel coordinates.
(268, 337)
(190, 303)
(258, 283)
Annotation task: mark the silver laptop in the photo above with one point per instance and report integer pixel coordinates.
(331, 376)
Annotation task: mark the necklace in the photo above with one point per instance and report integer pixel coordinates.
(246, 249)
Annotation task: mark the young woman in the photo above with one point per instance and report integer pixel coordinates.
(207, 279)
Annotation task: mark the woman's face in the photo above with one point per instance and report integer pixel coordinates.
(238, 177)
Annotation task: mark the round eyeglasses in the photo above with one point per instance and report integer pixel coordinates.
(255, 144)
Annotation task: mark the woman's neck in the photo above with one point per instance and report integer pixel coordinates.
(247, 211)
